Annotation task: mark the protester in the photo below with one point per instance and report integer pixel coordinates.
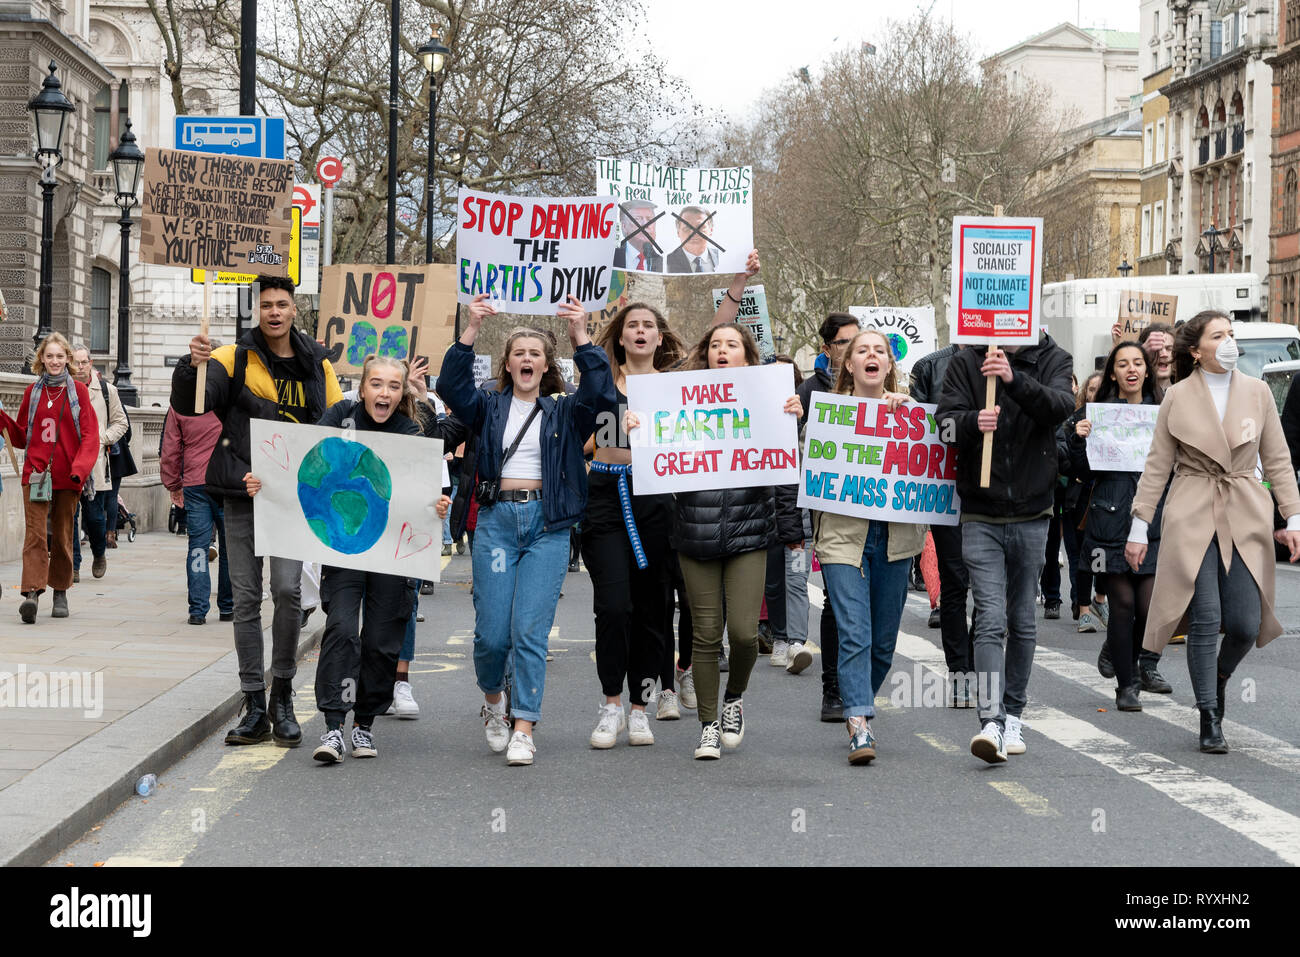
(836, 331)
(358, 655)
(276, 373)
(532, 487)
(188, 443)
(1126, 378)
(112, 427)
(1217, 561)
(926, 386)
(721, 537)
(786, 589)
(121, 464)
(865, 564)
(1076, 504)
(57, 426)
(1004, 526)
(625, 543)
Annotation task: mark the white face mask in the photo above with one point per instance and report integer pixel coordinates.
(1227, 353)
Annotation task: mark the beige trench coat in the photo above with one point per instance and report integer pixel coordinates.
(1214, 491)
(112, 426)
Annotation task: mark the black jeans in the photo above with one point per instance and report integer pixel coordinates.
(954, 583)
(631, 605)
(1050, 580)
(774, 592)
(358, 665)
(830, 642)
(685, 628)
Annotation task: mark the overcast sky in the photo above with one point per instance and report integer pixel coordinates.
(730, 50)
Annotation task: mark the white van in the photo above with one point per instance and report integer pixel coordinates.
(1262, 343)
(1079, 313)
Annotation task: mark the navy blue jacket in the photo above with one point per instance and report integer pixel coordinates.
(567, 422)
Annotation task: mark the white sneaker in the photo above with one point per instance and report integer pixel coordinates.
(404, 705)
(1012, 737)
(799, 658)
(686, 689)
(710, 746)
(638, 728)
(521, 750)
(779, 650)
(612, 720)
(495, 725)
(666, 706)
(988, 744)
(733, 723)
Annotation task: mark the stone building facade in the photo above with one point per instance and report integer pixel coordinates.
(1284, 237)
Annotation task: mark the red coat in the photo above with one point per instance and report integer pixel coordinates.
(73, 459)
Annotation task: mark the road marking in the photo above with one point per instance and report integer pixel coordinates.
(937, 742)
(1032, 804)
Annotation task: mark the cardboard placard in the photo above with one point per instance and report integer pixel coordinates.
(860, 459)
(1137, 310)
(209, 211)
(402, 311)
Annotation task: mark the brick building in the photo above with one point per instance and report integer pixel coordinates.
(1284, 237)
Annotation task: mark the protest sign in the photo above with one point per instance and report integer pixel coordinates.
(997, 276)
(1137, 310)
(860, 459)
(676, 219)
(910, 331)
(528, 254)
(482, 369)
(200, 276)
(567, 370)
(1121, 435)
(752, 314)
(208, 211)
(717, 428)
(358, 499)
(399, 311)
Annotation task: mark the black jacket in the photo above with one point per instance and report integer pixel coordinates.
(718, 523)
(926, 381)
(1291, 420)
(353, 412)
(1038, 398)
(1108, 512)
(819, 381)
(240, 388)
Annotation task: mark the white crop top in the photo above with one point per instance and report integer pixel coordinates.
(526, 463)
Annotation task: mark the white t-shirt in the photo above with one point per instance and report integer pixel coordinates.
(526, 463)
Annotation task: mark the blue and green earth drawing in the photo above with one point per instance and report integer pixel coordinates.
(897, 345)
(344, 490)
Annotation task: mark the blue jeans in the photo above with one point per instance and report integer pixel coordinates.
(868, 604)
(1004, 563)
(202, 515)
(519, 567)
(90, 516)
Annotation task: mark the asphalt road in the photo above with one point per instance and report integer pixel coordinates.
(1096, 786)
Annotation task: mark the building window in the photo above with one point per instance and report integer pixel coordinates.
(1216, 39)
(101, 289)
(104, 133)
(1145, 248)
(1155, 23)
(1148, 137)
(1289, 202)
(1161, 154)
(1158, 228)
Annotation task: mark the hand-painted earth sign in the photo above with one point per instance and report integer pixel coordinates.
(344, 490)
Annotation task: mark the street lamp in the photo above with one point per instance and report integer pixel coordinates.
(1125, 268)
(128, 162)
(780, 343)
(434, 57)
(50, 109)
(1211, 235)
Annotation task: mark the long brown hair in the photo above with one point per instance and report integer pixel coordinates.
(699, 357)
(671, 349)
(407, 404)
(844, 384)
(1081, 397)
(1188, 336)
(1108, 391)
(552, 382)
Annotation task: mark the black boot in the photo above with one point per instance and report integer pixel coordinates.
(832, 706)
(1126, 699)
(1104, 666)
(1211, 733)
(1152, 680)
(1221, 690)
(256, 727)
(284, 725)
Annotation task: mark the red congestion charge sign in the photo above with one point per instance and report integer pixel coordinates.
(997, 277)
(329, 170)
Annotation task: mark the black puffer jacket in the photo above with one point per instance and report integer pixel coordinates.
(926, 381)
(718, 523)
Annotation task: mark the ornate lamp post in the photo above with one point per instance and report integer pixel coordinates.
(128, 162)
(434, 57)
(50, 109)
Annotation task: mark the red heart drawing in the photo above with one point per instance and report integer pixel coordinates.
(277, 450)
(411, 542)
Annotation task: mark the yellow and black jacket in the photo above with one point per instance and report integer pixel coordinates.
(240, 387)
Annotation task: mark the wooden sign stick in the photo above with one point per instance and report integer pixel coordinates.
(990, 401)
(201, 380)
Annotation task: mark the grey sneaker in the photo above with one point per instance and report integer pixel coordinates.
(780, 648)
(363, 743)
(1102, 610)
(1088, 624)
(686, 689)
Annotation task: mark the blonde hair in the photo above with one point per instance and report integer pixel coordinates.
(407, 405)
(844, 384)
(54, 338)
